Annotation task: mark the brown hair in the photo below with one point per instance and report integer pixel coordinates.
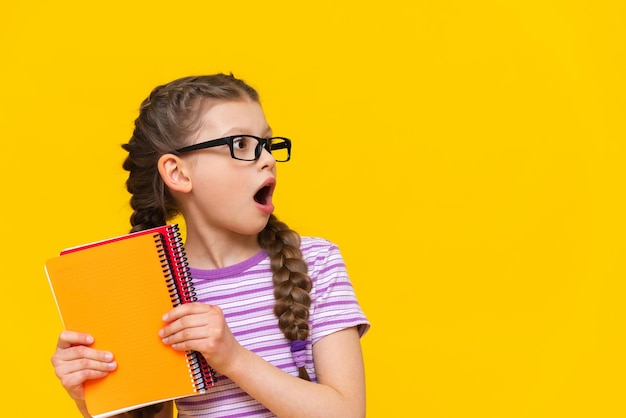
(166, 119)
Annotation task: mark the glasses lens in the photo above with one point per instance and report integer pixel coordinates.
(244, 148)
(280, 149)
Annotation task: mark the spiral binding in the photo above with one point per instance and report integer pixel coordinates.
(181, 290)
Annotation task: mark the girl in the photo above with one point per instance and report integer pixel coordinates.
(276, 316)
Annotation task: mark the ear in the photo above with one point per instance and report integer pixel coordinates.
(173, 171)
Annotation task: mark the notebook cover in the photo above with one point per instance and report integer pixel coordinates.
(117, 293)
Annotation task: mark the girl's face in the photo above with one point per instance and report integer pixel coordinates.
(230, 196)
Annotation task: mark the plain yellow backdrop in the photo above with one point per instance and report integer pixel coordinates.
(467, 157)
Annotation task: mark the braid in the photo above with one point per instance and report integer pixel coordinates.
(151, 202)
(292, 283)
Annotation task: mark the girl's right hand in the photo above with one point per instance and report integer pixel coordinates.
(75, 362)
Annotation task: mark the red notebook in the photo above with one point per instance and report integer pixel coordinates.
(117, 290)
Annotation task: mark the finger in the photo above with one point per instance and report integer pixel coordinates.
(73, 382)
(77, 365)
(77, 352)
(176, 332)
(186, 334)
(187, 321)
(186, 309)
(70, 338)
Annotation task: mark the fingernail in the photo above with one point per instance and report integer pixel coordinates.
(108, 356)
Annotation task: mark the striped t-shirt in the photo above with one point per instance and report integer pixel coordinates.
(244, 292)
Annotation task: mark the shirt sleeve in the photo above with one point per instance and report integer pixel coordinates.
(334, 305)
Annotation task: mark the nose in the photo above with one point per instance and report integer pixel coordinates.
(266, 159)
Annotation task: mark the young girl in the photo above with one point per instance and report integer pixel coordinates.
(276, 316)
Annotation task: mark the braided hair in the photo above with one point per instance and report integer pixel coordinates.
(168, 116)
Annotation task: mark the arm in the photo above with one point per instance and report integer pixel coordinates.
(339, 368)
(340, 391)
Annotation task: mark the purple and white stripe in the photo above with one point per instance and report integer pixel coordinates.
(245, 294)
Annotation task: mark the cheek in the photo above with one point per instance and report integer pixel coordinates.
(215, 174)
(223, 190)
(219, 182)
(230, 185)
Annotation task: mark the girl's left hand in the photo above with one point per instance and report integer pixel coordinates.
(200, 327)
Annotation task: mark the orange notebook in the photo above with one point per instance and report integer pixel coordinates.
(117, 290)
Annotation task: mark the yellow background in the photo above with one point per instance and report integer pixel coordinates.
(468, 158)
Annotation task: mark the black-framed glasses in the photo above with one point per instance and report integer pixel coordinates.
(247, 147)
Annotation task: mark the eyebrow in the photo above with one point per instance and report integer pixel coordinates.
(241, 131)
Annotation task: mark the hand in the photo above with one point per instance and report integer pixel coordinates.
(201, 327)
(74, 362)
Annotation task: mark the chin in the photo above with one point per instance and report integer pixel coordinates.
(256, 228)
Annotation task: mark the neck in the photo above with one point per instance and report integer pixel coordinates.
(209, 250)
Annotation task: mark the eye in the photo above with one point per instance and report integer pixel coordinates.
(242, 143)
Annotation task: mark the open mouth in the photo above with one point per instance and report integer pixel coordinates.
(262, 195)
